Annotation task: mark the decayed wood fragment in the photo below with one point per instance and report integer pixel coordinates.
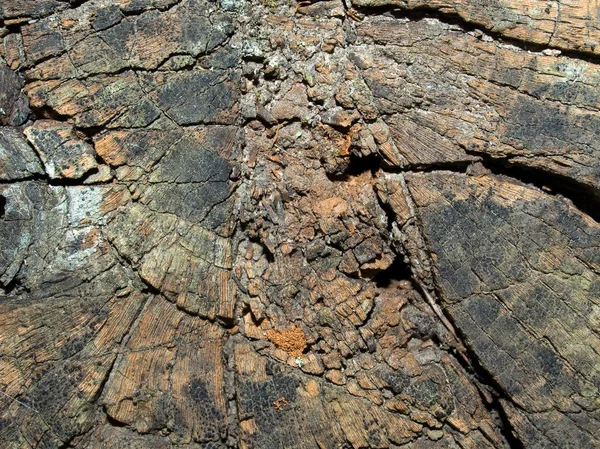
(249, 225)
(569, 25)
(517, 271)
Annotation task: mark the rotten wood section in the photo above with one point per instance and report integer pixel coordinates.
(228, 225)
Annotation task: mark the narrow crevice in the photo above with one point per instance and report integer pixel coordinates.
(454, 19)
(67, 443)
(33, 178)
(247, 311)
(232, 437)
(112, 421)
(462, 353)
(483, 379)
(14, 287)
(399, 270)
(102, 385)
(456, 166)
(61, 182)
(67, 182)
(357, 165)
(467, 358)
(2, 206)
(266, 251)
(122, 345)
(88, 134)
(83, 76)
(390, 214)
(484, 382)
(47, 113)
(584, 197)
(374, 163)
(506, 428)
(76, 3)
(148, 289)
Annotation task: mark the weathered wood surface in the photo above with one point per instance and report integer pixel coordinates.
(571, 25)
(224, 224)
(517, 270)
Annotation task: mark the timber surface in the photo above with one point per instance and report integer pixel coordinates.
(233, 224)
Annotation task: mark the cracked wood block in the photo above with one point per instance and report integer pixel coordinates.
(280, 407)
(130, 100)
(21, 10)
(51, 243)
(19, 159)
(56, 356)
(109, 437)
(570, 25)
(216, 257)
(187, 263)
(169, 377)
(63, 154)
(517, 270)
(466, 97)
(284, 409)
(14, 107)
(99, 37)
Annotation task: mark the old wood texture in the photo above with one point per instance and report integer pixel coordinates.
(247, 224)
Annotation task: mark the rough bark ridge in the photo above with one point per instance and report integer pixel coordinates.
(230, 225)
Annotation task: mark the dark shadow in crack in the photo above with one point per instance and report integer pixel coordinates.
(2, 206)
(399, 270)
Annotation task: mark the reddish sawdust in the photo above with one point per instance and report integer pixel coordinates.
(280, 403)
(291, 340)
